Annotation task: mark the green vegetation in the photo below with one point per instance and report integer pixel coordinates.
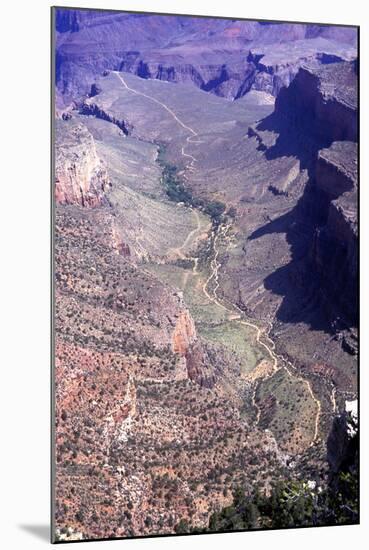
(214, 209)
(184, 263)
(177, 192)
(182, 527)
(291, 504)
(173, 186)
(237, 338)
(287, 410)
(298, 503)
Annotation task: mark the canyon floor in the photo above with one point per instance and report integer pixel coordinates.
(194, 353)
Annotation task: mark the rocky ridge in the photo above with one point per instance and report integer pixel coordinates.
(315, 119)
(140, 421)
(80, 176)
(335, 250)
(224, 57)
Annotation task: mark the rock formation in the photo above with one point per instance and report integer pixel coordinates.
(211, 54)
(335, 247)
(321, 104)
(80, 176)
(184, 333)
(90, 108)
(315, 120)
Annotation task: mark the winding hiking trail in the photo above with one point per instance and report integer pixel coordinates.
(191, 234)
(259, 334)
(179, 250)
(222, 230)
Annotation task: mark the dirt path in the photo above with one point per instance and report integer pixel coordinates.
(189, 139)
(179, 250)
(158, 102)
(333, 399)
(286, 364)
(214, 275)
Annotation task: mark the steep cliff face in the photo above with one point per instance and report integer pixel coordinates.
(266, 68)
(211, 74)
(336, 169)
(277, 66)
(335, 248)
(271, 75)
(315, 121)
(69, 20)
(321, 107)
(80, 176)
(66, 21)
(209, 53)
(199, 367)
(321, 103)
(90, 108)
(184, 333)
(342, 448)
(197, 363)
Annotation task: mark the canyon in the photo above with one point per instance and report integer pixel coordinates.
(206, 263)
(225, 57)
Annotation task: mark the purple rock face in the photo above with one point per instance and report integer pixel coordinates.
(224, 57)
(315, 120)
(323, 102)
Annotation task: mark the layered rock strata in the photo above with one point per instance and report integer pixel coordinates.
(80, 176)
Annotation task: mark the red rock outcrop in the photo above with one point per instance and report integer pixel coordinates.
(199, 366)
(80, 176)
(184, 333)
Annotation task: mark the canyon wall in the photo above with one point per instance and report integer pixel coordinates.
(321, 103)
(223, 57)
(315, 120)
(80, 176)
(335, 248)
